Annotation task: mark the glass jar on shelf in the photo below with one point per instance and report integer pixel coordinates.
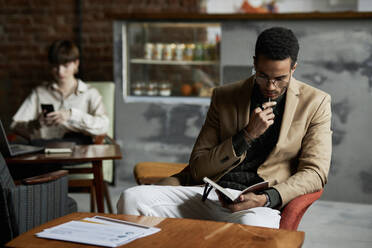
(138, 89)
(189, 52)
(159, 51)
(198, 55)
(168, 51)
(180, 50)
(149, 50)
(165, 89)
(152, 89)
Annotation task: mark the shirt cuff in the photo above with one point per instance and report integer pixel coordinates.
(240, 144)
(75, 115)
(274, 197)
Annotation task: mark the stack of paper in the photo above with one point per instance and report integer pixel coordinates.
(98, 230)
(59, 147)
(58, 150)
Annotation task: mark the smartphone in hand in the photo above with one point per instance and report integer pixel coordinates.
(47, 108)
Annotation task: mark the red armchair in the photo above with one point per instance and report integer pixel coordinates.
(292, 212)
(152, 172)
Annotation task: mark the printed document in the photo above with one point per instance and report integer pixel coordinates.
(98, 230)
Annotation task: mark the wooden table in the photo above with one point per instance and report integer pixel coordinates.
(178, 233)
(80, 154)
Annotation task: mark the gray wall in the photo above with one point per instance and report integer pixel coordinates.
(335, 56)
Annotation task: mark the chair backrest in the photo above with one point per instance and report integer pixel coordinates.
(6, 180)
(107, 91)
(6, 183)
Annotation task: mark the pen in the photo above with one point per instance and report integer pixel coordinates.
(262, 106)
(121, 222)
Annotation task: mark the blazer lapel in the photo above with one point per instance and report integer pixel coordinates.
(291, 102)
(244, 103)
(289, 111)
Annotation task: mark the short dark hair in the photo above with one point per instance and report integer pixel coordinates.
(62, 51)
(277, 43)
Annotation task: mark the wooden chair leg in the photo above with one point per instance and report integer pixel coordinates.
(92, 199)
(107, 197)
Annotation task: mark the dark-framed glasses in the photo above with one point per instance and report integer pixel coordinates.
(278, 83)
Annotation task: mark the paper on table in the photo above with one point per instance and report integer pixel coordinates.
(58, 150)
(98, 232)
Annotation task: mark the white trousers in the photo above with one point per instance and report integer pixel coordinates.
(185, 202)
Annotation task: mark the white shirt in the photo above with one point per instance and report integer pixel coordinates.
(88, 114)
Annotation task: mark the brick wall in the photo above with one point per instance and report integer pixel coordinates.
(27, 27)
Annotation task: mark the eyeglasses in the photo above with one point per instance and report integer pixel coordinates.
(278, 83)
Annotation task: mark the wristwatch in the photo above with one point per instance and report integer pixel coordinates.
(267, 204)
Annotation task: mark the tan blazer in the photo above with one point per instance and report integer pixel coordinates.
(298, 164)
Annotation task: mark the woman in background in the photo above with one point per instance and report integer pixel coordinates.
(64, 109)
(77, 107)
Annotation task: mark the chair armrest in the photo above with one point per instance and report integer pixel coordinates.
(292, 213)
(99, 139)
(104, 139)
(48, 177)
(153, 172)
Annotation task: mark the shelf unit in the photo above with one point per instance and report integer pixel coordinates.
(190, 78)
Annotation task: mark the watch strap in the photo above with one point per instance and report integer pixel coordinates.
(268, 203)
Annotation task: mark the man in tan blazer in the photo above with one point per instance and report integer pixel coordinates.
(268, 127)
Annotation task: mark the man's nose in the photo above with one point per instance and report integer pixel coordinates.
(270, 84)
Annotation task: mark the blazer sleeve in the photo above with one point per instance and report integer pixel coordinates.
(211, 155)
(315, 156)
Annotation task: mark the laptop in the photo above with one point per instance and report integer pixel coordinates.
(11, 150)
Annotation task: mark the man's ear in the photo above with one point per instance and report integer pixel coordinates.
(255, 62)
(294, 67)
